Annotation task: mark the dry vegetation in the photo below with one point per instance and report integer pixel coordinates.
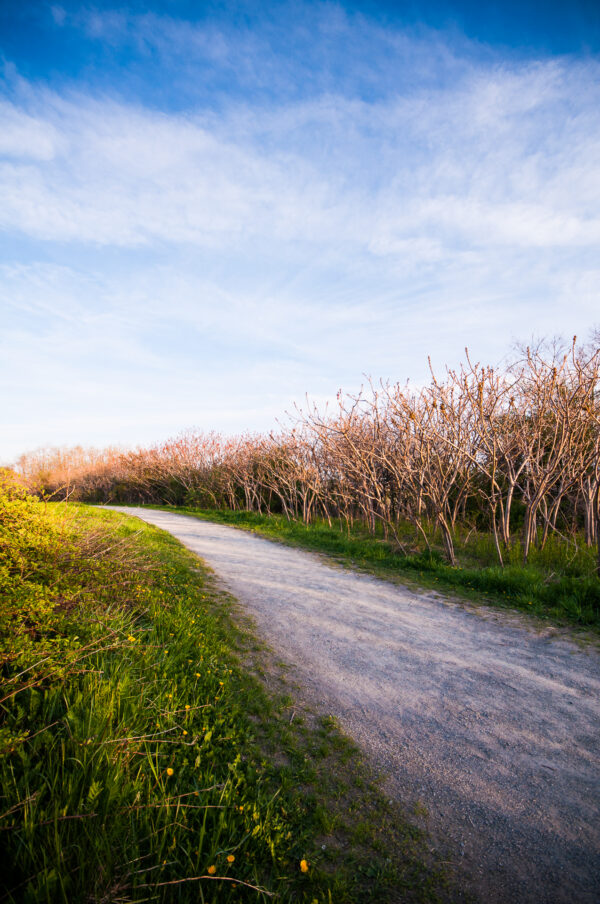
(510, 452)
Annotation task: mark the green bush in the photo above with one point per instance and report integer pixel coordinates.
(134, 762)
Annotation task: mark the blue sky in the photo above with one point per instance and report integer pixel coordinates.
(209, 210)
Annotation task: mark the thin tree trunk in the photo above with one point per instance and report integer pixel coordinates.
(448, 542)
(496, 539)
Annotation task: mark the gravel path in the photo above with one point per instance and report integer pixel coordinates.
(490, 722)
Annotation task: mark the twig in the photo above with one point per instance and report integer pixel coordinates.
(48, 822)
(21, 803)
(257, 888)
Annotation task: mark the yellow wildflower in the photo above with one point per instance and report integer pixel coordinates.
(304, 866)
(230, 858)
(169, 771)
(211, 870)
(187, 705)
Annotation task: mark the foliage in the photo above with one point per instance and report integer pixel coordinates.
(139, 758)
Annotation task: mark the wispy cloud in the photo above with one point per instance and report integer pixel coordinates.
(507, 157)
(213, 262)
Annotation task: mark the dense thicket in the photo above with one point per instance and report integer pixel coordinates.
(511, 450)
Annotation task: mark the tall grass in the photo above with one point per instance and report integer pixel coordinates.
(139, 759)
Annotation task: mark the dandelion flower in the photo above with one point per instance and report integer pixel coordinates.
(187, 705)
(230, 858)
(184, 731)
(169, 771)
(211, 870)
(197, 674)
(304, 866)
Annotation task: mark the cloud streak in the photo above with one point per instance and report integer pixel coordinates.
(507, 157)
(232, 253)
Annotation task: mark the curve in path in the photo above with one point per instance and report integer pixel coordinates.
(490, 722)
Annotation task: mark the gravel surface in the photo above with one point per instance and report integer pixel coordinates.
(489, 720)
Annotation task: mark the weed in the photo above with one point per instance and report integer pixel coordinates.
(140, 759)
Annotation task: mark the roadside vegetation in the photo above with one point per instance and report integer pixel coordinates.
(486, 480)
(557, 583)
(141, 756)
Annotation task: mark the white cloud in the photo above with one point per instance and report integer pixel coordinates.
(26, 137)
(208, 268)
(498, 160)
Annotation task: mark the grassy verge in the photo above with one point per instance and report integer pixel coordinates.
(140, 757)
(555, 587)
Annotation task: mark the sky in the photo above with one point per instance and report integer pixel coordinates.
(210, 210)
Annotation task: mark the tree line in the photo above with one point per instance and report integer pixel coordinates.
(511, 450)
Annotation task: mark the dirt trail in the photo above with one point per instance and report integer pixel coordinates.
(491, 722)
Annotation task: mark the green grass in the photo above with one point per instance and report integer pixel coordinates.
(559, 583)
(141, 758)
